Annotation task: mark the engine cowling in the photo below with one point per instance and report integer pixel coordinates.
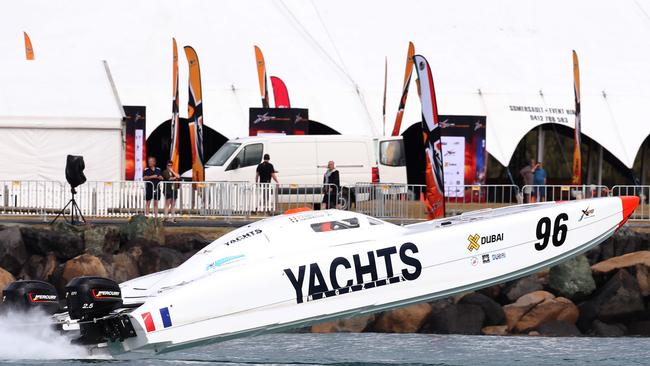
(28, 295)
(91, 297)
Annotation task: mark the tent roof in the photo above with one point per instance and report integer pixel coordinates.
(488, 58)
(47, 94)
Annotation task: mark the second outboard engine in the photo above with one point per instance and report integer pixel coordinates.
(28, 295)
(91, 300)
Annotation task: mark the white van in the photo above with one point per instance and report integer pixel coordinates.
(302, 160)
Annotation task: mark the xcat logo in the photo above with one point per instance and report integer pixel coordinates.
(475, 241)
(587, 213)
(360, 272)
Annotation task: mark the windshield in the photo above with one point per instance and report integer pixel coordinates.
(221, 156)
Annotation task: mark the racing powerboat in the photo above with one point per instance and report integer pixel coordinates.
(298, 269)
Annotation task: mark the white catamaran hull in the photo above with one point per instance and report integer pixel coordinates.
(295, 270)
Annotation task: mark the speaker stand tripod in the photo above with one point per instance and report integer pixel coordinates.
(76, 217)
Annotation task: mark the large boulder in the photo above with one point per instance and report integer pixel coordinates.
(559, 308)
(122, 267)
(558, 328)
(12, 250)
(155, 259)
(39, 268)
(600, 329)
(83, 265)
(143, 231)
(494, 314)
(639, 328)
(623, 242)
(186, 242)
(523, 286)
(408, 319)
(624, 261)
(456, 319)
(5, 278)
(514, 312)
(498, 330)
(102, 240)
(352, 325)
(64, 243)
(572, 279)
(619, 299)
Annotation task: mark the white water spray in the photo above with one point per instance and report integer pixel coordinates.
(29, 335)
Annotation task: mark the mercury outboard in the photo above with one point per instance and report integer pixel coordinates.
(29, 295)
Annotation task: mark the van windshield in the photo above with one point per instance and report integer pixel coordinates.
(221, 156)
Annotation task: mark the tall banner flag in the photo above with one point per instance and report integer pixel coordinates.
(175, 122)
(405, 89)
(29, 50)
(195, 114)
(280, 93)
(261, 74)
(383, 108)
(435, 200)
(577, 158)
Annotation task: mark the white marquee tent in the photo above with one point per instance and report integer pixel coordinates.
(509, 60)
(48, 111)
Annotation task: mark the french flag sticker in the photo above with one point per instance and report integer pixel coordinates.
(166, 318)
(148, 322)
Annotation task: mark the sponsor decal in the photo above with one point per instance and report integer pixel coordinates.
(474, 261)
(166, 318)
(360, 271)
(475, 241)
(498, 256)
(40, 297)
(105, 293)
(223, 261)
(486, 258)
(148, 322)
(244, 236)
(308, 216)
(587, 213)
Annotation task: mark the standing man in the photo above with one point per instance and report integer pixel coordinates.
(331, 186)
(171, 187)
(152, 192)
(265, 171)
(539, 179)
(527, 173)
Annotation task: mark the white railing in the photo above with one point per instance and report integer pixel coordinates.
(400, 202)
(559, 192)
(642, 211)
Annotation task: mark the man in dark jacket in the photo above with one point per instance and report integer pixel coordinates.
(332, 186)
(265, 171)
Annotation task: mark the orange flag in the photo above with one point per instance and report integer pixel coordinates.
(577, 156)
(29, 50)
(261, 74)
(405, 89)
(174, 151)
(195, 115)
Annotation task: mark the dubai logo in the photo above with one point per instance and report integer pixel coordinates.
(473, 242)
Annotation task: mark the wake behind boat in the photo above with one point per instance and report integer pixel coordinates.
(299, 269)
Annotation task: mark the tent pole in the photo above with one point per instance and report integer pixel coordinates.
(600, 165)
(540, 144)
(643, 170)
(118, 102)
(590, 175)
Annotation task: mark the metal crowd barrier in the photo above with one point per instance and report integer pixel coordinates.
(642, 211)
(400, 202)
(558, 192)
(406, 201)
(237, 198)
(31, 197)
(110, 199)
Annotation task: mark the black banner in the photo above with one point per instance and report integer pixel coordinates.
(287, 121)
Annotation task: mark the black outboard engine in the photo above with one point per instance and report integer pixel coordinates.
(90, 301)
(29, 295)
